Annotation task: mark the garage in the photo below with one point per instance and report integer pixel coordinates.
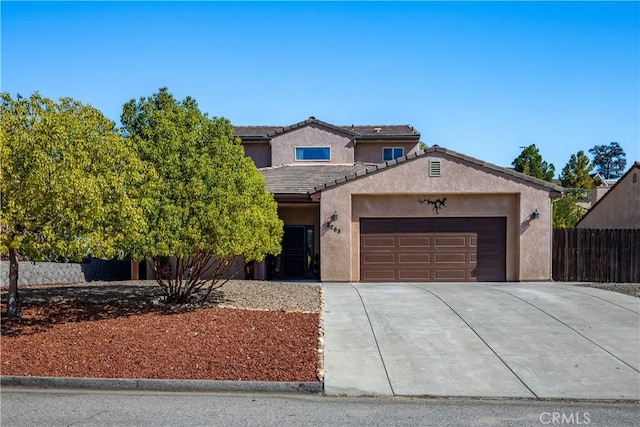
(433, 249)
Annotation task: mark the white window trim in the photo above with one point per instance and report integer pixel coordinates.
(392, 150)
(295, 153)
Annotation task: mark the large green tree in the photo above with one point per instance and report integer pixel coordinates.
(576, 173)
(530, 162)
(577, 181)
(211, 206)
(70, 186)
(609, 160)
(566, 211)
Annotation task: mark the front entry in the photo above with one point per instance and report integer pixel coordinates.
(297, 260)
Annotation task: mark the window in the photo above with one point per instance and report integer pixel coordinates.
(392, 153)
(313, 154)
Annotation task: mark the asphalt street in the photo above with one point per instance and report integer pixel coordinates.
(22, 407)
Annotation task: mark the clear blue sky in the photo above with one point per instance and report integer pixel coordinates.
(480, 78)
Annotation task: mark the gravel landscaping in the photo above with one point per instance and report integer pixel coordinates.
(632, 289)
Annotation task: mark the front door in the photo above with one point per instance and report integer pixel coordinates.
(297, 252)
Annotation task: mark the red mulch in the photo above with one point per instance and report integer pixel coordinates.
(79, 339)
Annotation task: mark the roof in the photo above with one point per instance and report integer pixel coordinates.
(304, 179)
(636, 167)
(313, 179)
(359, 133)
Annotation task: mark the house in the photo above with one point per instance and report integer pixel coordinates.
(364, 203)
(619, 207)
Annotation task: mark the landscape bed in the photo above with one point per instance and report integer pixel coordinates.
(253, 331)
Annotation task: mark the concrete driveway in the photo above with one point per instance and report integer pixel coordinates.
(531, 340)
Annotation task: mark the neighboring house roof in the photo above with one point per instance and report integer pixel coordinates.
(635, 167)
(599, 181)
(313, 179)
(359, 133)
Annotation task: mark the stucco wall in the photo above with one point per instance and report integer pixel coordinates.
(260, 153)
(283, 146)
(620, 208)
(470, 191)
(371, 152)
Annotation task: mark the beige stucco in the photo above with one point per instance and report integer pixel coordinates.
(620, 207)
(471, 191)
(312, 135)
(371, 152)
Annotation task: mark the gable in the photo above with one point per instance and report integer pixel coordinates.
(619, 207)
(459, 173)
(284, 146)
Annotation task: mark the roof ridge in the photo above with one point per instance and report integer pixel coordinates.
(451, 153)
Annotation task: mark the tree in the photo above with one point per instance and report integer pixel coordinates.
(609, 160)
(211, 205)
(576, 173)
(70, 186)
(567, 212)
(530, 162)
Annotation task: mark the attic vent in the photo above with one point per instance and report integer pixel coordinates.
(377, 130)
(435, 168)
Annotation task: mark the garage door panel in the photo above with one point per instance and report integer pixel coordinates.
(433, 249)
(415, 258)
(415, 275)
(380, 258)
(380, 275)
(452, 258)
(451, 241)
(415, 242)
(379, 242)
(453, 274)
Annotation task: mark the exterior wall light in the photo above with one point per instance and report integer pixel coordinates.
(535, 215)
(334, 217)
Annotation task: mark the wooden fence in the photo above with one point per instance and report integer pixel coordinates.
(591, 255)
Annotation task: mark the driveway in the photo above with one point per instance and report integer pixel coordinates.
(529, 340)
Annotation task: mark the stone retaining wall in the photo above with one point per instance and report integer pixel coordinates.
(40, 273)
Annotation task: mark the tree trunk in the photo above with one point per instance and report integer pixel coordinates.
(13, 301)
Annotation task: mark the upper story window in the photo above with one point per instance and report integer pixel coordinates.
(313, 154)
(392, 153)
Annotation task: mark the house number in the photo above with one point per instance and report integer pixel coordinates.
(437, 203)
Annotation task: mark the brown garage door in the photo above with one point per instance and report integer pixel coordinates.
(432, 249)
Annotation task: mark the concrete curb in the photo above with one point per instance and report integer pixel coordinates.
(160, 385)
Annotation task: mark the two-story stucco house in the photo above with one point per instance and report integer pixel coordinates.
(363, 203)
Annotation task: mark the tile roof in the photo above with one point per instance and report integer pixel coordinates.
(357, 132)
(304, 179)
(316, 178)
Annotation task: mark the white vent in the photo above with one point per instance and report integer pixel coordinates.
(435, 168)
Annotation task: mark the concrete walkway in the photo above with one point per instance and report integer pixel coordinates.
(533, 340)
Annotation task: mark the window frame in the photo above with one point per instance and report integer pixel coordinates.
(302, 147)
(393, 149)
